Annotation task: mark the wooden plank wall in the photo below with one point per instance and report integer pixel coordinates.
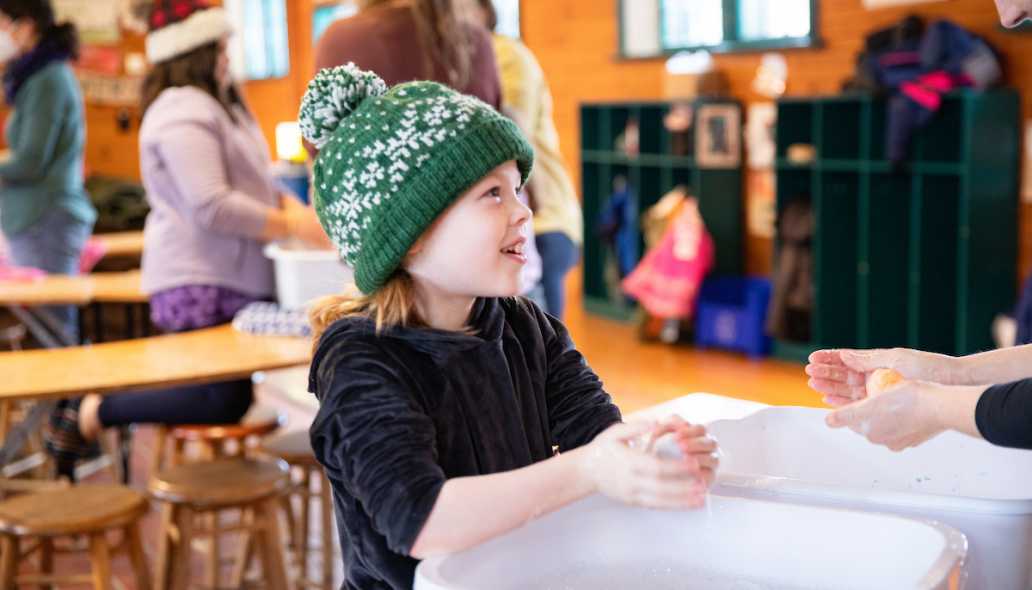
(576, 42)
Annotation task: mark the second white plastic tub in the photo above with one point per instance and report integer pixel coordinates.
(789, 454)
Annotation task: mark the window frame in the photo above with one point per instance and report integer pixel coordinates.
(282, 59)
(731, 43)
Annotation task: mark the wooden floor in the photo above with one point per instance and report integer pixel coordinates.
(637, 374)
(640, 374)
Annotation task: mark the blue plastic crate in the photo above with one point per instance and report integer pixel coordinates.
(731, 314)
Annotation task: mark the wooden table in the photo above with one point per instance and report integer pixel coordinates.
(100, 287)
(203, 356)
(127, 244)
(82, 290)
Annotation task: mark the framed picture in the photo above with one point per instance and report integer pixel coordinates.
(718, 136)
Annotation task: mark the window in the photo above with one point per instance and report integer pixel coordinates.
(692, 23)
(763, 20)
(650, 28)
(508, 12)
(324, 15)
(261, 36)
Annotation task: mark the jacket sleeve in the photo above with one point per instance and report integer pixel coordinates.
(578, 407)
(41, 118)
(190, 149)
(376, 443)
(521, 86)
(1004, 414)
(485, 66)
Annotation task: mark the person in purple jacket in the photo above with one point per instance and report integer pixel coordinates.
(214, 204)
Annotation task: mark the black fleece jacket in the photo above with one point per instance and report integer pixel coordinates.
(403, 411)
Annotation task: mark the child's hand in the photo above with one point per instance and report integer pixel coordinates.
(641, 478)
(692, 441)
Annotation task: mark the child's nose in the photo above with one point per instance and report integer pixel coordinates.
(521, 213)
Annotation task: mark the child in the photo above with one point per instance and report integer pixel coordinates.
(443, 399)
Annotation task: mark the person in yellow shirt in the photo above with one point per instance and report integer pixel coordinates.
(558, 223)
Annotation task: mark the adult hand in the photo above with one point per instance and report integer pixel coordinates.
(303, 223)
(905, 415)
(841, 375)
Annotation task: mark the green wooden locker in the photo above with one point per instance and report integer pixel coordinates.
(652, 173)
(921, 255)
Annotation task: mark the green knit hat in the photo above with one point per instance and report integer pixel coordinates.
(391, 161)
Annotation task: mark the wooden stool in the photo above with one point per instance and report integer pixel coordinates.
(296, 449)
(215, 439)
(250, 486)
(85, 510)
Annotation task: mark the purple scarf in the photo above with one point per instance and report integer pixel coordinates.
(21, 69)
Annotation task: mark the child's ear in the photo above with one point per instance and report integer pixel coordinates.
(417, 247)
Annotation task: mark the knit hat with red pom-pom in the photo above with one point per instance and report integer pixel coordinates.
(180, 26)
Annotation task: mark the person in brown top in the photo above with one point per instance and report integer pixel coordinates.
(404, 40)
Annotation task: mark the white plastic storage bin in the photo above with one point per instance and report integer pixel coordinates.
(789, 454)
(303, 275)
(739, 544)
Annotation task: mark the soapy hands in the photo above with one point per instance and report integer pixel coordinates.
(302, 223)
(904, 415)
(841, 375)
(898, 398)
(624, 464)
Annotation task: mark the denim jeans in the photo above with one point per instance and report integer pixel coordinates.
(558, 255)
(54, 244)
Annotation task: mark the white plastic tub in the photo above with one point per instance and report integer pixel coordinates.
(700, 408)
(738, 544)
(789, 454)
(303, 275)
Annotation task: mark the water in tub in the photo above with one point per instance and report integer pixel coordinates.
(655, 577)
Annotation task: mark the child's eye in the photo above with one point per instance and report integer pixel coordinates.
(494, 193)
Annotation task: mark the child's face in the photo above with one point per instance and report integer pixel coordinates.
(1014, 12)
(475, 248)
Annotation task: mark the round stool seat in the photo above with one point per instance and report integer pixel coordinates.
(222, 482)
(78, 510)
(259, 421)
(293, 447)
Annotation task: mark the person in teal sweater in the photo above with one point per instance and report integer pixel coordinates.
(45, 212)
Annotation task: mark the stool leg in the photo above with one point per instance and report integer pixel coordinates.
(303, 525)
(326, 514)
(113, 450)
(100, 561)
(181, 565)
(245, 550)
(214, 557)
(46, 559)
(158, 455)
(137, 557)
(271, 545)
(6, 407)
(178, 448)
(8, 561)
(287, 500)
(163, 564)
